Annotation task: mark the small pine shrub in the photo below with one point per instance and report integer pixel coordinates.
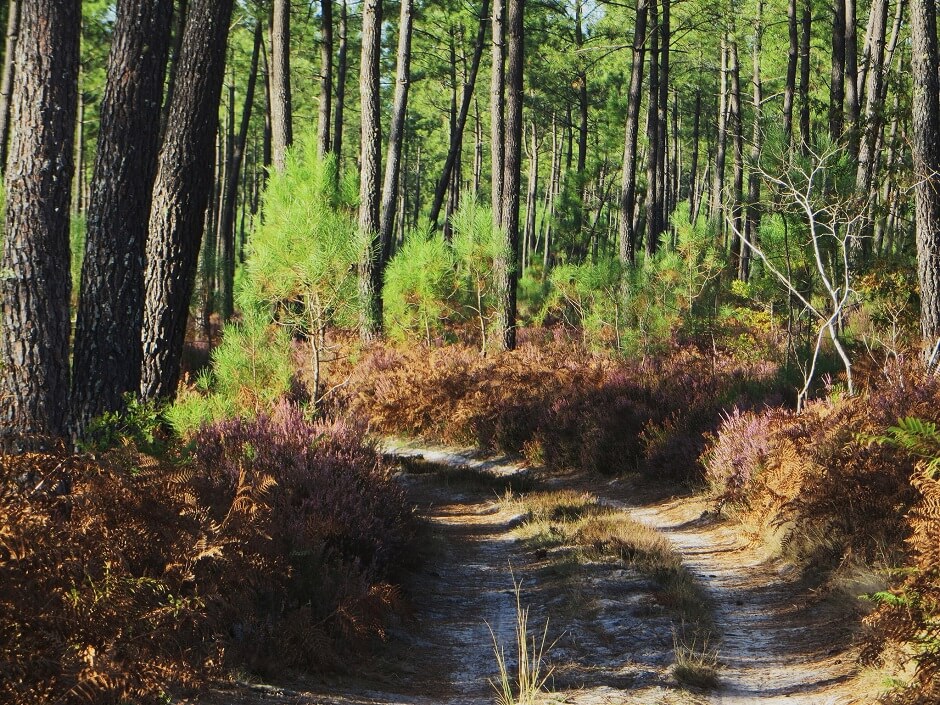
(252, 369)
(420, 288)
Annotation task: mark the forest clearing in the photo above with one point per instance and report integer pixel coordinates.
(580, 351)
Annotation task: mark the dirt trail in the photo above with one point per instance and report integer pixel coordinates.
(614, 640)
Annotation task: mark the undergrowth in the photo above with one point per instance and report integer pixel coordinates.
(554, 404)
(273, 547)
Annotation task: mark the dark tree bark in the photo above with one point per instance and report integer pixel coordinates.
(326, 77)
(718, 187)
(370, 265)
(107, 354)
(456, 140)
(753, 184)
(874, 71)
(627, 231)
(282, 130)
(851, 75)
(267, 139)
(180, 195)
(737, 143)
(179, 24)
(581, 80)
(507, 268)
(531, 199)
(341, 69)
(693, 168)
(6, 83)
(926, 148)
(662, 113)
(35, 286)
(789, 87)
(653, 226)
(230, 193)
(497, 131)
(396, 136)
(806, 31)
(837, 77)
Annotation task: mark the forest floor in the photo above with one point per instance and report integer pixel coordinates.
(610, 634)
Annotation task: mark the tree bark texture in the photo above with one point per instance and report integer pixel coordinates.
(282, 130)
(230, 192)
(627, 233)
(507, 268)
(35, 286)
(653, 139)
(370, 265)
(926, 148)
(341, 69)
(497, 132)
(326, 77)
(789, 86)
(806, 30)
(6, 83)
(837, 77)
(180, 195)
(107, 354)
(872, 122)
(396, 135)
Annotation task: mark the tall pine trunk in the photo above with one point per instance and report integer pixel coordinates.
(35, 286)
(341, 69)
(926, 148)
(396, 136)
(282, 129)
(181, 193)
(230, 192)
(507, 268)
(370, 264)
(6, 82)
(107, 353)
(627, 232)
(326, 77)
(497, 128)
(653, 139)
(789, 86)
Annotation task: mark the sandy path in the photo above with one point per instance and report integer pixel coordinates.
(614, 643)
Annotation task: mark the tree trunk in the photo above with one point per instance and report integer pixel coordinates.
(497, 131)
(789, 87)
(230, 194)
(753, 186)
(926, 148)
(179, 24)
(34, 289)
(806, 31)
(627, 233)
(737, 139)
(874, 70)
(507, 266)
(6, 83)
(718, 187)
(456, 137)
(837, 79)
(370, 265)
(326, 77)
(653, 139)
(396, 136)
(851, 75)
(693, 173)
(531, 198)
(662, 112)
(282, 130)
(581, 80)
(341, 68)
(107, 355)
(180, 195)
